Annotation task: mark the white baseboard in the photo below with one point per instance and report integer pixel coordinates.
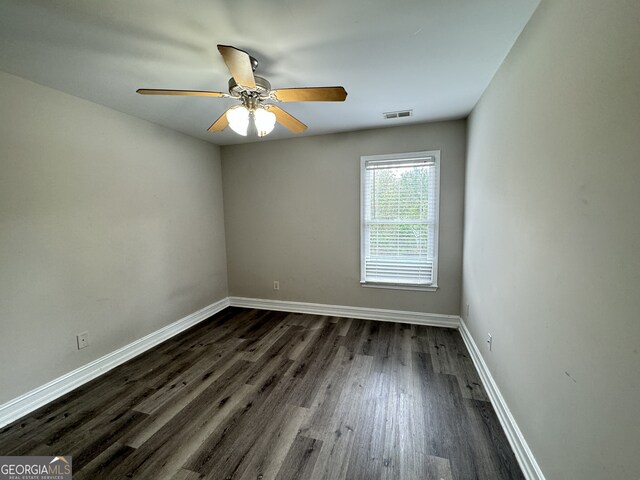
(523, 453)
(30, 401)
(419, 318)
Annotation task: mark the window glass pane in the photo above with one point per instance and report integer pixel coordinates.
(399, 193)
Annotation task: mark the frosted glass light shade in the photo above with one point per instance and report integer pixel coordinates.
(265, 121)
(238, 118)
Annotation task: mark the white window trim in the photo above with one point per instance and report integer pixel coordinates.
(433, 286)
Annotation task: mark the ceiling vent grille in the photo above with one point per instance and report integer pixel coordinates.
(398, 114)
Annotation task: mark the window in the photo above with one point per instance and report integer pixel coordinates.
(399, 220)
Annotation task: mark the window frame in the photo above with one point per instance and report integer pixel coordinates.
(430, 287)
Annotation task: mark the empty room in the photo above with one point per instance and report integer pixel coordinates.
(320, 240)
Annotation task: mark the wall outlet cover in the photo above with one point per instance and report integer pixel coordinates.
(83, 340)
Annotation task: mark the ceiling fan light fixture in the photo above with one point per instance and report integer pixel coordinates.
(264, 120)
(238, 118)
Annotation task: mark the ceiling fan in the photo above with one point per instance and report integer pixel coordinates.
(255, 92)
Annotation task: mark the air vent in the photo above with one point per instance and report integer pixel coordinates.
(398, 114)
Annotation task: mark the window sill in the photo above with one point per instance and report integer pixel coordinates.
(400, 286)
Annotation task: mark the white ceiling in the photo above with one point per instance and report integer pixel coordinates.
(433, 56)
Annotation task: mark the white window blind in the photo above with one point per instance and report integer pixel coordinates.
(399, 221)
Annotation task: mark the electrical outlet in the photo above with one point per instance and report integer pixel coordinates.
(83, 340)
(276, 285)
(490, 341)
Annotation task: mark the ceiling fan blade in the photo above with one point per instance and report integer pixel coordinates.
(192, 93)
(310, 94)
(239, 64)
(220, 124)
(286, 119)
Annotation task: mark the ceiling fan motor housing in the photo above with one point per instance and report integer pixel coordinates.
(262, 90)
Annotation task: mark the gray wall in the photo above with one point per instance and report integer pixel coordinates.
(292, 214)
(108, 224)
(552, 236)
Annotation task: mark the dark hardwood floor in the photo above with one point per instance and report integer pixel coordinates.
(254, 394)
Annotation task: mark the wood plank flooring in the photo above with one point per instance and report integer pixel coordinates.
(252, 394)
